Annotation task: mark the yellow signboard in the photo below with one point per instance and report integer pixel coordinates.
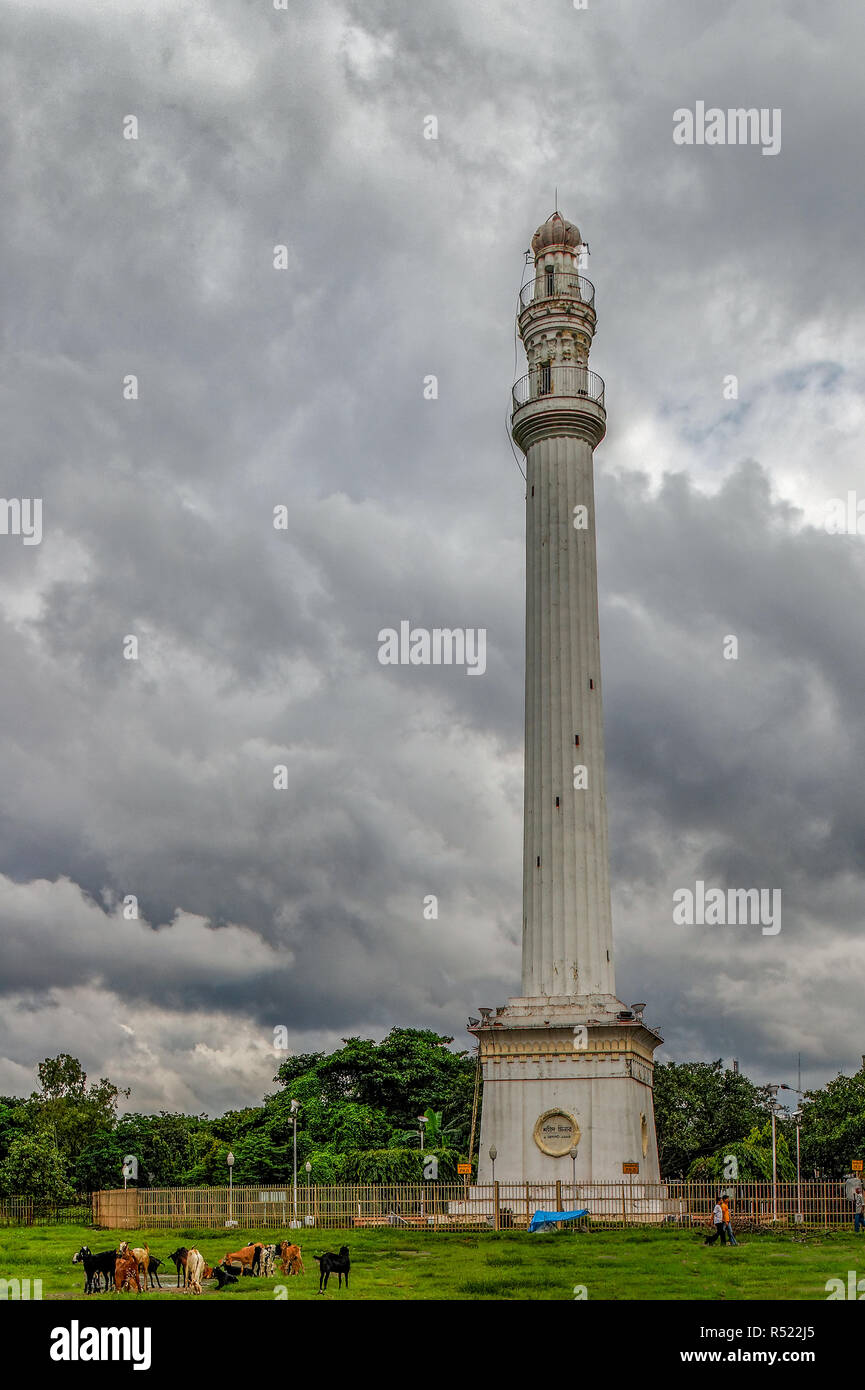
(856, 1165)
(630, 1168)
(464, 1168)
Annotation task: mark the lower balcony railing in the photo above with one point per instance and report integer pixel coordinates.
(550, 380)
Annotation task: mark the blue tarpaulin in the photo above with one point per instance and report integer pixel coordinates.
(543, 1220)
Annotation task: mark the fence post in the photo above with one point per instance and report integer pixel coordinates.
(496, 1211)
(559, 1206)
(528, 1218)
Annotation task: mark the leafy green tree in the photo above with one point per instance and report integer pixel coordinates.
(397, 1165)
(13, 1120)
(435, 1133)
(33, 1168)
(700, 1108)
(753, 1156)
(70, 1110)
(833, 1125)
(99, 1163)
(410, 1071)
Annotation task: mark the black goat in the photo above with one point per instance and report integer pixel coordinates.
(329, 1264)
(96, 1266)
(223, 1276)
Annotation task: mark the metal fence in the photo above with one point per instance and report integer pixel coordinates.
(556, 284)
(439, 1206)
(553, 379)
(30, 1211)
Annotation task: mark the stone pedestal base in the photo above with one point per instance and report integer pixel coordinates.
(561, 1072)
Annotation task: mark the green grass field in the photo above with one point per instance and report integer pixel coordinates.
(392, 1264)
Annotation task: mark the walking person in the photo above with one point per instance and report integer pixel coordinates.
(718, 1224)
(728, 1228)
(858, 1211)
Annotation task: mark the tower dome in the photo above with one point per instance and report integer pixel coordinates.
(556, 231)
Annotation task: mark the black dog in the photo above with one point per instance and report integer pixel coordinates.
(223, 1276)
(329, 1264)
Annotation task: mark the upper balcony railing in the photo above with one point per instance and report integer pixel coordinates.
(557, 285)
(550, 380)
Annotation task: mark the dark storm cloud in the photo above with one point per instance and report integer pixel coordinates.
(303, 387)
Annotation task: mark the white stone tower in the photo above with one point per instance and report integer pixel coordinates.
(567, 1064)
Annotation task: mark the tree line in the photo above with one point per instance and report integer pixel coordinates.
(359, 1120)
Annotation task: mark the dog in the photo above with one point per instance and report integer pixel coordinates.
(329, 1264)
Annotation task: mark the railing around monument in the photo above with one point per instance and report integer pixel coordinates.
(453, 1206)
(547, 380)
(559, 285)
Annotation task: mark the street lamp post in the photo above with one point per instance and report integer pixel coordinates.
(308, 1167)
(230, 1161)
(494, 1153)
(773, 1165)
(797, 1116)
(422, 1122)
(773, 1091)
(574, 1169)
(295, 1106)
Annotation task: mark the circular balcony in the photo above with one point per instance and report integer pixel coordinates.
(558, 400)
(558, 381)
(557, 285)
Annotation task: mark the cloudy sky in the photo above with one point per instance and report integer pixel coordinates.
(302, 387)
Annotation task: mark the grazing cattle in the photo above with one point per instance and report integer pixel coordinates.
(178, 1259)
(329, 1264)
(292, 1260)
(153, 1271)
(126, 1272)
(195, 1268)
(95, 1266)
(223, 1277)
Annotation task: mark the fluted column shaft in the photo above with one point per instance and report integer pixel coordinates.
(567, 929)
